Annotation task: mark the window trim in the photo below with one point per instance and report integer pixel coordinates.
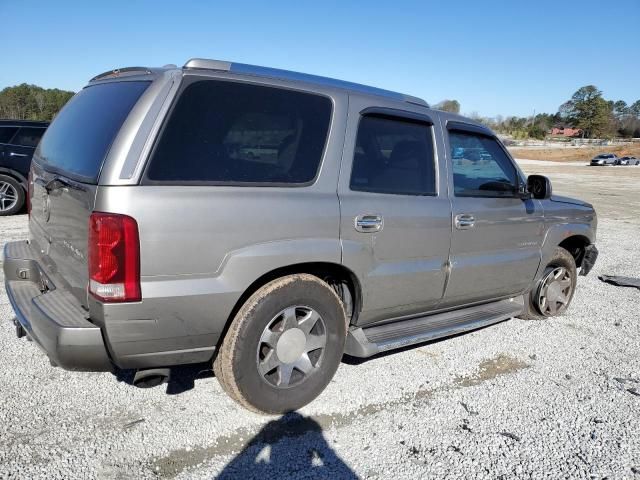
(398, 116)
(190, 80)
(473, 129)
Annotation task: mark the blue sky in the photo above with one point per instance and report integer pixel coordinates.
(495, 57)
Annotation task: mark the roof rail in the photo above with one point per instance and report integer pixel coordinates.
(122, 72)
(243, 68)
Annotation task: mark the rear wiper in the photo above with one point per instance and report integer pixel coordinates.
(59, 182)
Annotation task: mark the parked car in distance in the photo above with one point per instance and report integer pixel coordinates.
(628, 161)
(605, 159)
(18, 140)
(377, 223)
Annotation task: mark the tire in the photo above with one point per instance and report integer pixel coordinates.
(12, 196)
(266, 332)
(559, 298)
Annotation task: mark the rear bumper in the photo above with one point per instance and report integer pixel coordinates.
(54, 319)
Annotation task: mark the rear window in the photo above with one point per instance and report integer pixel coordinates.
(234, 133)
(78, 140)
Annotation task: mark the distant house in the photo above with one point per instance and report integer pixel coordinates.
(565, 132)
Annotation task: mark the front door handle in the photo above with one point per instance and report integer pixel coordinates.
(464, 221)
(14, 154)
(369, 223)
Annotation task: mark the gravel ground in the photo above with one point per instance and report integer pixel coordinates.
(557, 398)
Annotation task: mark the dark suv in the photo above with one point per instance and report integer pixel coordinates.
(18, 140)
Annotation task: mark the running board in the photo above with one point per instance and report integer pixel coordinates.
(368, 341)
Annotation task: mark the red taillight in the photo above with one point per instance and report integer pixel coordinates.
(29, 193)
(114, 258)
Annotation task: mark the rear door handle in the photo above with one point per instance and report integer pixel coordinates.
(14, 154)
(464, 221)
(369, 223)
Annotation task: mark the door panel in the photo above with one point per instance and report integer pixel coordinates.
(400, 256)
(496, 236)
(499, 254)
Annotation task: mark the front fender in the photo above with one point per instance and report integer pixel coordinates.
(556, 234)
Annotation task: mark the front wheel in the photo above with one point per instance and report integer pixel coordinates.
(554, 291)
(284, 345)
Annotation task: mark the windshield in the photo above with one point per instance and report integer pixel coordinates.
(78, 140)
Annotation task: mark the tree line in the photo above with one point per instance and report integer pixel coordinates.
(586, 110)
(30, 102)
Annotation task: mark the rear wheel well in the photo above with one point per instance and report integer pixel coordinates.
(340, 278)
(576, 246)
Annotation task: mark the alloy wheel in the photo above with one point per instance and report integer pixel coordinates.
(291, 346)
(554, 292)
(8, 196)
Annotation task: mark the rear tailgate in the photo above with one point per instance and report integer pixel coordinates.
(65, 171)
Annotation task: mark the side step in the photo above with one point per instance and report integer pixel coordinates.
(368, 341)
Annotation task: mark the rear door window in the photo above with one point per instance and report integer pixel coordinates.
(78, 140)
(235, 133)
(7, 133)
(393, 156)
(28, 136)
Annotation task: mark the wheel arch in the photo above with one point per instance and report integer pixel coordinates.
(339, 277)
(576, 245)
(17, 176)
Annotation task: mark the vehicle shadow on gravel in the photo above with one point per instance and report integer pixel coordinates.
(291, 446)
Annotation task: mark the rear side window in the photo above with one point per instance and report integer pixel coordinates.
(481, 168)
(28, 136)
(7, 133)
(234, 133)
(78, 140)
(393, 156)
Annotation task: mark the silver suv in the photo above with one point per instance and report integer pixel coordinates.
(269, 222)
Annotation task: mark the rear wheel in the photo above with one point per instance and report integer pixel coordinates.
(12, 196)
(284, 345)
(554, 291)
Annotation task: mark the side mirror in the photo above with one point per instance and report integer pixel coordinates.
(539, 186)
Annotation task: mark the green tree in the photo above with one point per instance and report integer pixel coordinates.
(620, 108)
(634, 109)
(452, 106)
(589, 111)
(30, 102)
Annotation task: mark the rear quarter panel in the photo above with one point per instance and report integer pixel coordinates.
(203, 246)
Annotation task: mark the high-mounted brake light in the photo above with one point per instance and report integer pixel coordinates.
(114, 258)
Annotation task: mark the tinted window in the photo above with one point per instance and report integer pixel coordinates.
(78, 140)
(225, 132)
(480, 166)
(6, 133)
(28, 136)
(393, 156)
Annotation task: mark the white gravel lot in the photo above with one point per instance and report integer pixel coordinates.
(551, 399)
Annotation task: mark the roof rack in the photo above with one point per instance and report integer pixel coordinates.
(122, 72)
(242, 68)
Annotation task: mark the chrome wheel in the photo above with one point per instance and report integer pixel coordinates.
(8, 196)
(554, 292)
(291, 346)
